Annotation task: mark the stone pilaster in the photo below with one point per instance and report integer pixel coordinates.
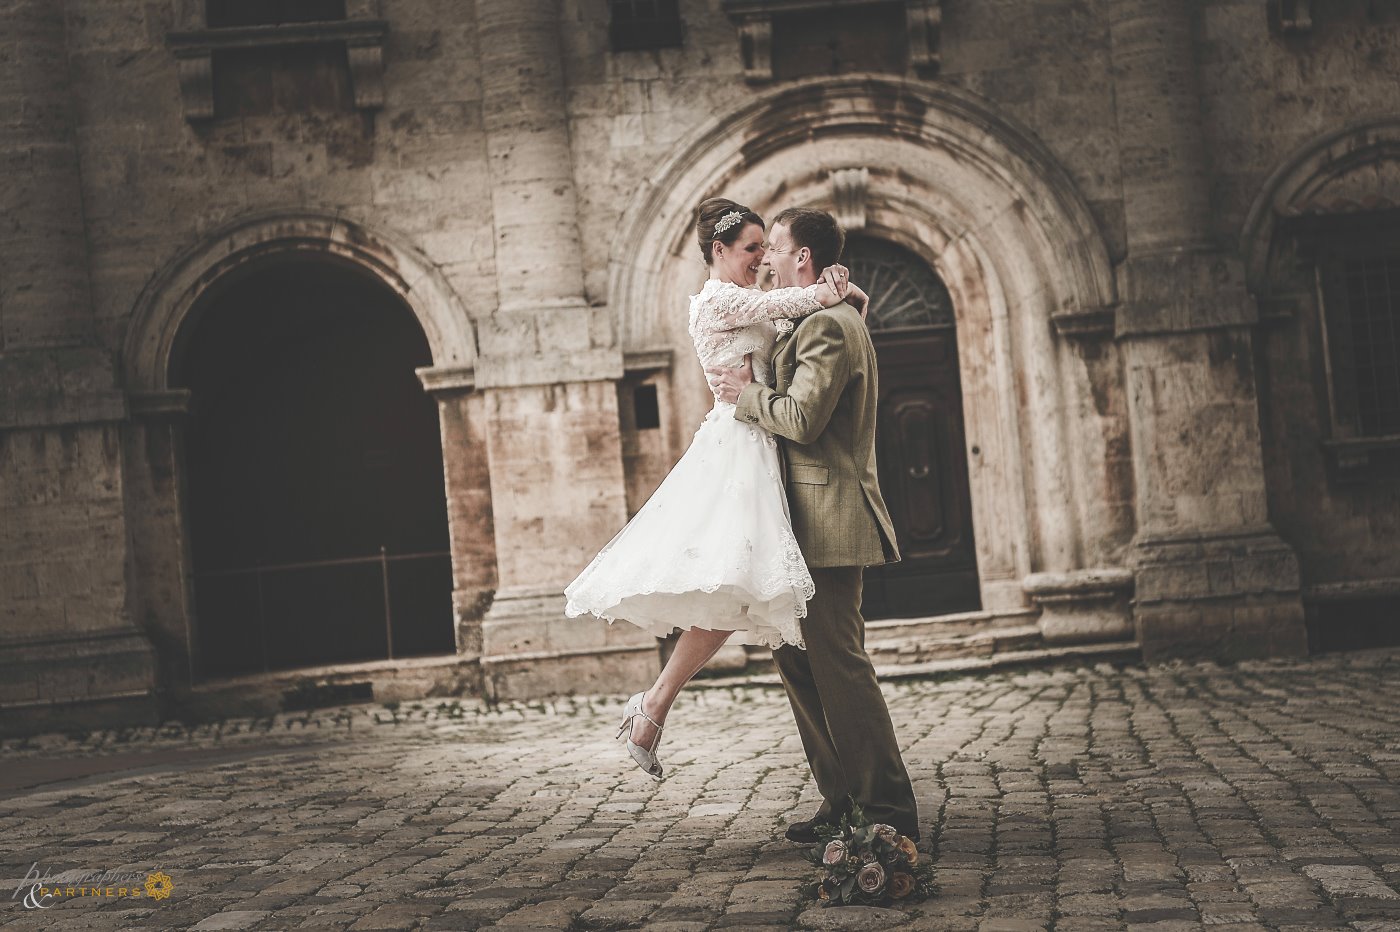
(153, 466)
(547, 368)
(71, 649)
(1212, 576)
(467, 479)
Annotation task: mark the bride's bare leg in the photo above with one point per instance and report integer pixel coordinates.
(694, 648)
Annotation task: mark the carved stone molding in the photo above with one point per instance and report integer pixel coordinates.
(754, 21)
(194, 51)
(849, 190)
(366, 57)
(196, 70)
(1295, 16)
(756, 47)
(1083, 605)
(647, 360)
(172, 402)
(173, 292)
(1094, 323)
(925, 19)
(446, 380)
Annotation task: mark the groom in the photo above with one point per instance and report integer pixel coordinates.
(824, 408)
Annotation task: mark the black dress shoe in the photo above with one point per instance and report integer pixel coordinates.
(805, 833)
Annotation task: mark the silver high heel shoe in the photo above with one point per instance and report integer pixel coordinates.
(645, 757)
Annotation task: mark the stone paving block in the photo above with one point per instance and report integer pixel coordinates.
(1012, 925)
(1350, 880)
(1247, 797)
(234, 919)
(395, 916)
(551, 914)
(851, 917)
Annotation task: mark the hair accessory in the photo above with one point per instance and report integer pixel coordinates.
(728, 220)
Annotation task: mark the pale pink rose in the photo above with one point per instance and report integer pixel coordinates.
(886, 832)
(834, 854)
(871, 878)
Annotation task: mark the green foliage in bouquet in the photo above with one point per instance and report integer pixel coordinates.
(868, 864)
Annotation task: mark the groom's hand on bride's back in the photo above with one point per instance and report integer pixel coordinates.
(728, 384)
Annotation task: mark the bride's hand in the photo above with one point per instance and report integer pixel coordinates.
(834, 282)
(727, 383)
(838, 278)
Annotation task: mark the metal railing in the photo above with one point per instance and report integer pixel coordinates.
(259, 571)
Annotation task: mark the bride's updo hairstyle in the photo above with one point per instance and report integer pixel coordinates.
(714, 223)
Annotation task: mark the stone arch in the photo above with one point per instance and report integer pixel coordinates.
(1356, 167)
(987, 206)
(168, 298)
(156, 478)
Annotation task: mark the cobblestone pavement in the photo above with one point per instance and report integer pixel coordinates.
(1260, 796)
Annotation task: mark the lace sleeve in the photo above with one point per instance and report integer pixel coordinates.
(730, 306)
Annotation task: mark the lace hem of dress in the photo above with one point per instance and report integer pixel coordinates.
(789, 576)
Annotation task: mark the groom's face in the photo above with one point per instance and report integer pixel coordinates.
(783, 259)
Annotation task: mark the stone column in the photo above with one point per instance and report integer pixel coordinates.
(547, 369)
(1213, 578)
(71, 649)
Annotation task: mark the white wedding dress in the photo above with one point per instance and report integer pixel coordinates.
(713, 546)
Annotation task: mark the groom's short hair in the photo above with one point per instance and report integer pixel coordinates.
(817, 230)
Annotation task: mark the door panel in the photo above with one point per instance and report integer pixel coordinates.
(923, 477)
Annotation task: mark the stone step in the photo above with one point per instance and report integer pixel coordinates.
(920, 647)
(1109, 652)
(940, 626)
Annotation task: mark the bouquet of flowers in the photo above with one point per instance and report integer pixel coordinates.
(868, 865)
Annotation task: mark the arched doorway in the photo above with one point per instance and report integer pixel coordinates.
(314, 473)
(923, 466)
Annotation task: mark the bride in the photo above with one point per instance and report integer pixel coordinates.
(712, 551)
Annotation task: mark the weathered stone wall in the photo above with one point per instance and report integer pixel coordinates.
(63, 535)
(517, 204)
(153, 183)
(66, 629)
(1265, 97)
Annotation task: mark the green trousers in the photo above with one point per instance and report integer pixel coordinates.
(841, 713)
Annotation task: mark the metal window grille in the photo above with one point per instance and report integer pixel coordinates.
(1370, 325)
(644, 24)
(904, 291)
(289, 615)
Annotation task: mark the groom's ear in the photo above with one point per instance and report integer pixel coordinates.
(804, 256)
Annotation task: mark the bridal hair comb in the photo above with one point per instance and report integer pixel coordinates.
(728, 220)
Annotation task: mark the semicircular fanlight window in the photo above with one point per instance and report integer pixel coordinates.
(904, 291)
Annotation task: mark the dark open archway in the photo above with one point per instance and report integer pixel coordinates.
(313, 470)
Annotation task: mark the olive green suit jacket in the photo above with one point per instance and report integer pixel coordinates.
(823, 406)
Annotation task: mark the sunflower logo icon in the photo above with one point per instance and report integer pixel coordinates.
(159, 885)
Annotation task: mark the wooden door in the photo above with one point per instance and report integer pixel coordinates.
(919, 437)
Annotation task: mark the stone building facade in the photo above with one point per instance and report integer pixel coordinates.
(1143, 372)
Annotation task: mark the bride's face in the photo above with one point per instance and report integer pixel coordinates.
(740, 263)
